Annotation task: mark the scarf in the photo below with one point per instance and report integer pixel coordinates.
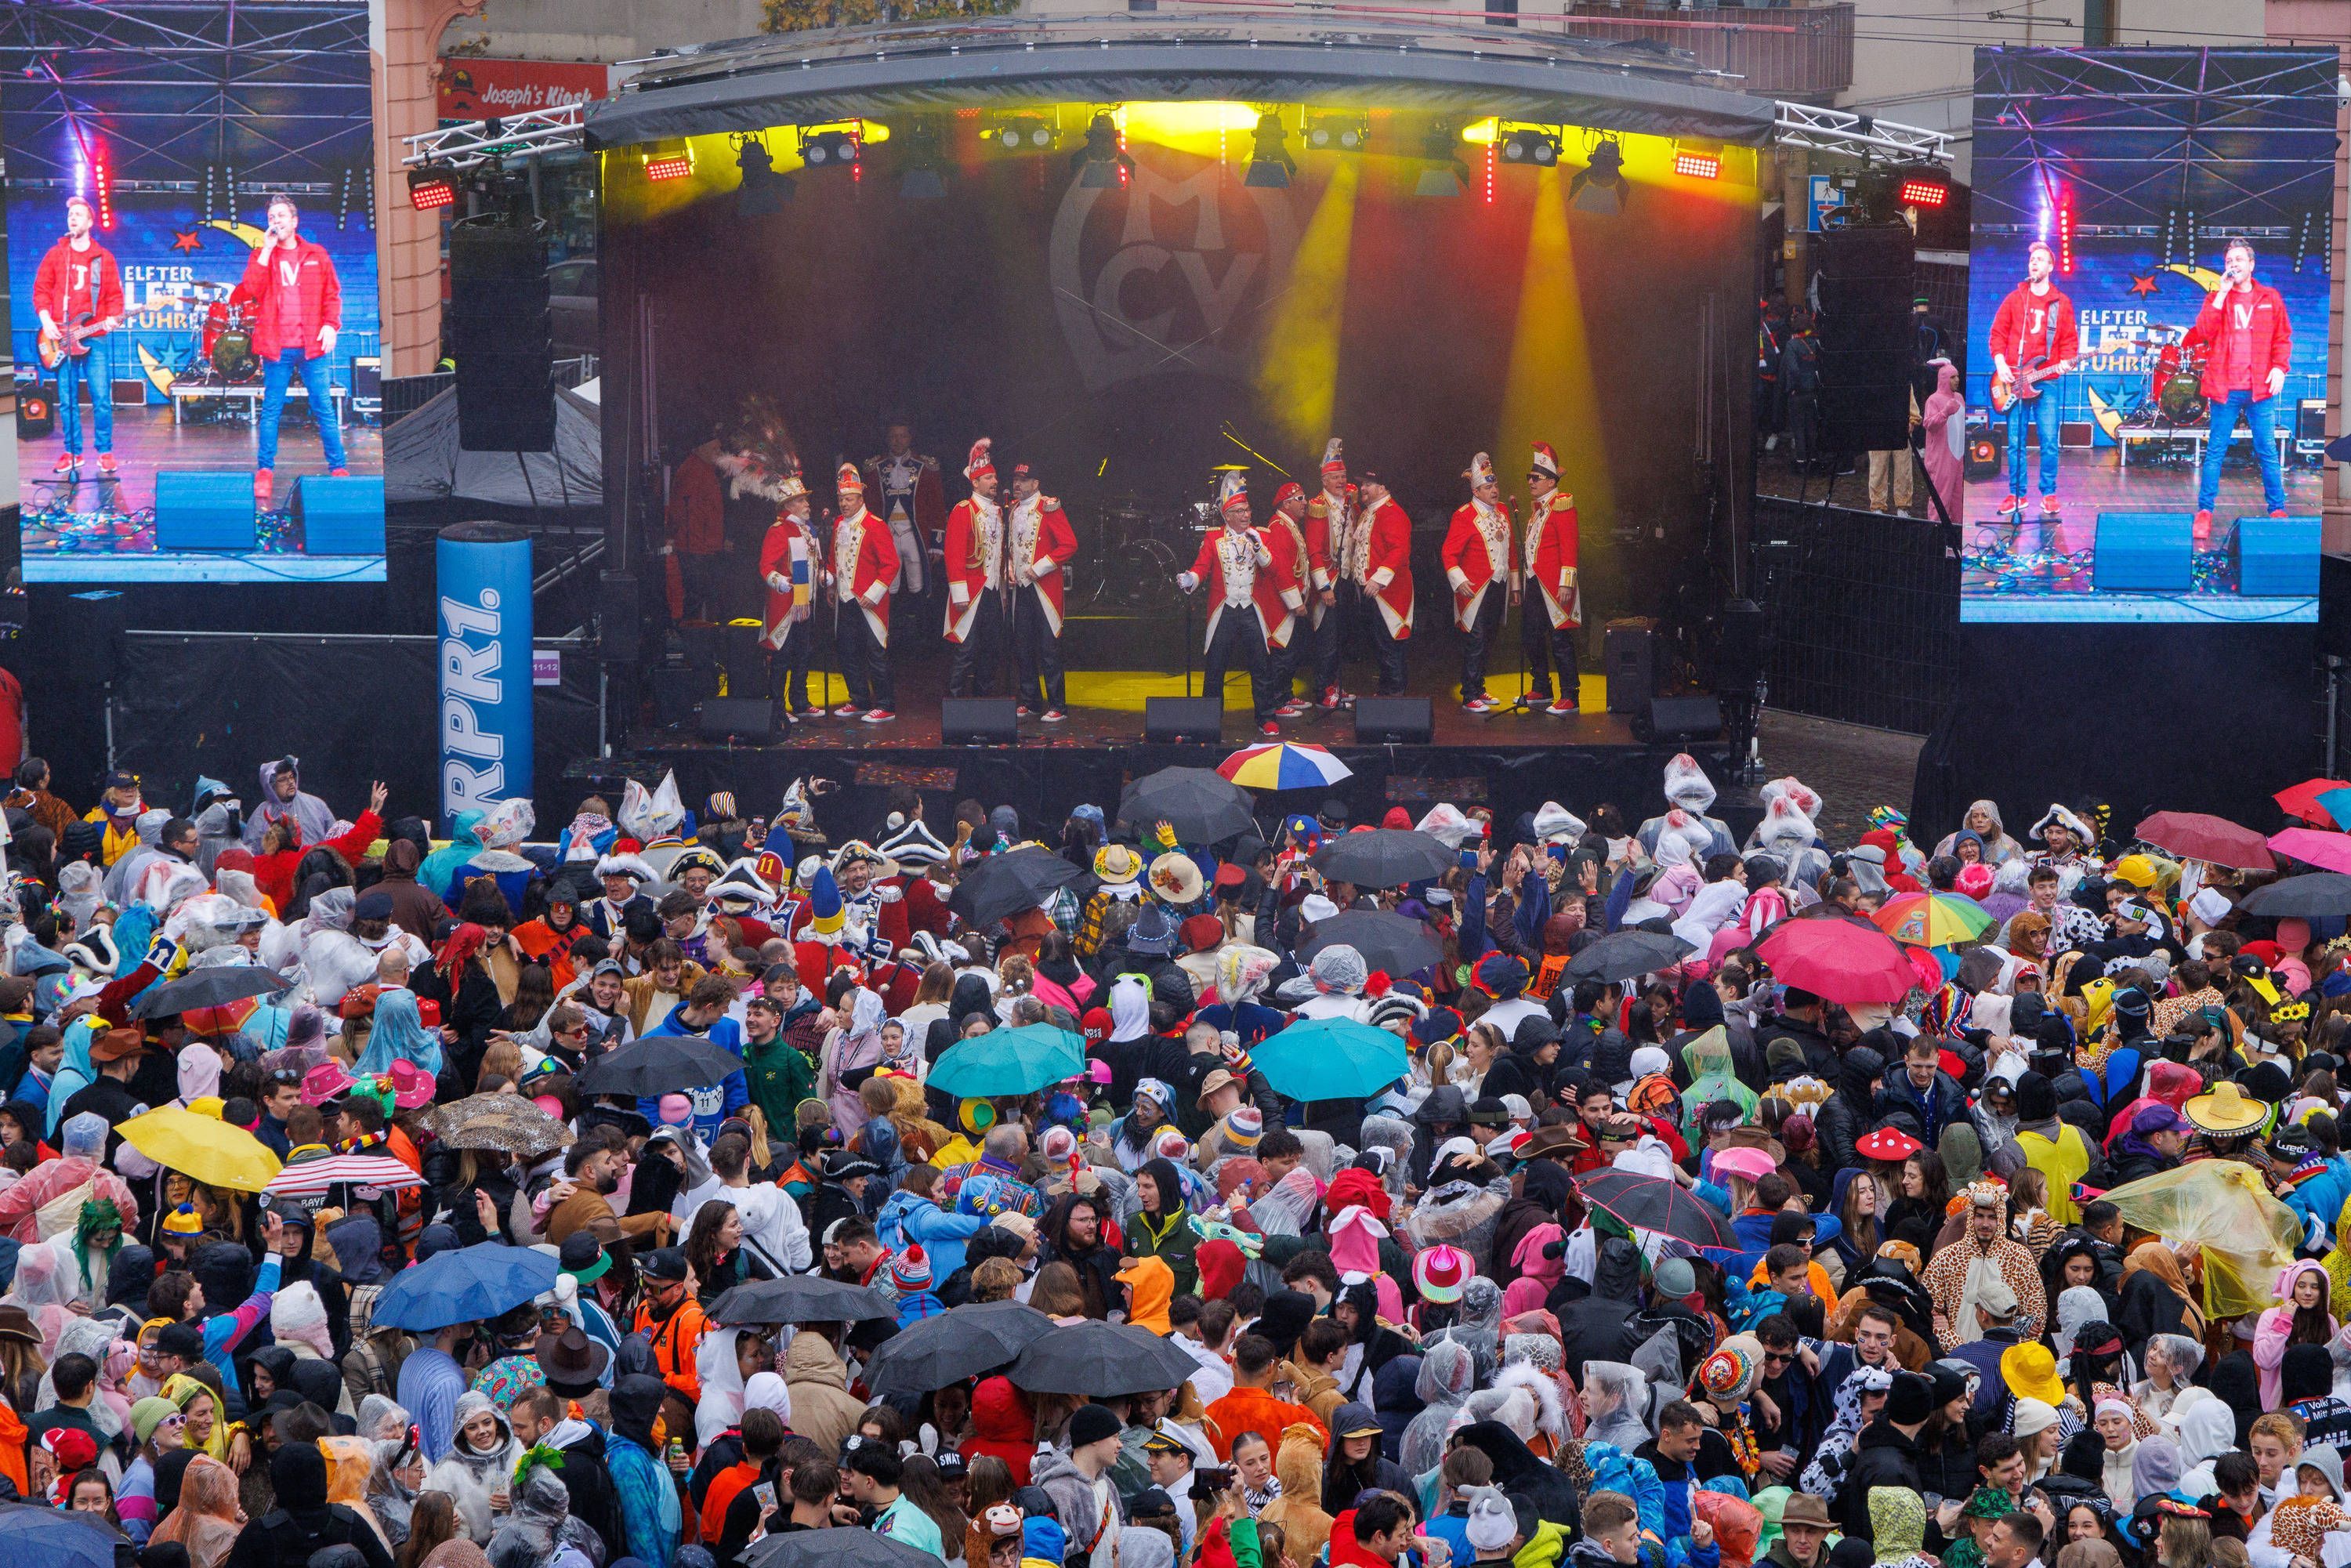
(459, 950)
(2156, 1258)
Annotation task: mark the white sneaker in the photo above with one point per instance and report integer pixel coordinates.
(1054, 716)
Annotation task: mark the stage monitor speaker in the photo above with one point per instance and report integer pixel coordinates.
(737, 718)
(94, 625)
(1738, 655)
(979, 721)
(367, 380)
(340, 516)
(1987, 452)
(1868, 336)
(2310, 421)
(1678, 718)
(36, 412)
(619, 623)
(2143, 552)
(2277, 557)
(204, 511)
(742, 656)
(1191, 720)
(1393, 721)
(1629, 655)
(500, 330)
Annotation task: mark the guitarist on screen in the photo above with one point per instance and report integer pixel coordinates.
(2034, 341)
(78, 293)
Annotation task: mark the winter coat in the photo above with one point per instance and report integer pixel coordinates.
(1882, 1457)
(823, 1410)
(1002, 1426)
(1847, 1115)
(1299, 1509)
(1076, 1504)
(1600, 1326)
(910, 1217)
(1940, 1104)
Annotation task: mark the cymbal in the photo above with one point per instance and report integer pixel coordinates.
(1230, 468)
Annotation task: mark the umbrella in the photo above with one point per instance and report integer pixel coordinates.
(2302, 801)
(1201, 804)
(799, 1299)
(932, 1353)
(202, 1148)
(1386, 940)
(311, 1178)
(470, 1284)
(1096, 1359)
(1009, 1062)
(213, 986)
(1331, 1059)
(2311, 893)
(1660, 1204)
(506, 1123)
(1003, 885)
(1932, 919)
(1283, 767)
(1383, 857)
(1843, 961)
(56, 1539)
(842, 1546)
(2327, 851)
(2337, 805)
(1627, 954)
(659, 1064)
(2198, 836)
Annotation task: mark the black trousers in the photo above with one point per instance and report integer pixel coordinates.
(1239, 633)
(1479, 640)
(981, 652)
(1039, 649)
(1324, 639)
(1545, 645)
(865, 660)
(787, 666)
(1387, 651)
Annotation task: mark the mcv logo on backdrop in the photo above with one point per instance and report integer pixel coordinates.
(1167, 275)
(484, 669)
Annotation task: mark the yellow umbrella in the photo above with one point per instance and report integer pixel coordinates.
(203, 1148)
(2246, 1235)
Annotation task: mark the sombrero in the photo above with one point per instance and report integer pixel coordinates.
(2225, 1109)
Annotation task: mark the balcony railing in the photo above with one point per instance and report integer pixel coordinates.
(1781, 52)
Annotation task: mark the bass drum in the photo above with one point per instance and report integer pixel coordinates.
(2182, 399)
(232, 357)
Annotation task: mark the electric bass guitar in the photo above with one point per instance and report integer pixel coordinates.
(66, 343)
(2022, 386)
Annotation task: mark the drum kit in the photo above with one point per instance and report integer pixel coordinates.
(2175, 385)
(1138, 550)
(224, 339)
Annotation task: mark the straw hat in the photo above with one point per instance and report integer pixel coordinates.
(2224, 1110)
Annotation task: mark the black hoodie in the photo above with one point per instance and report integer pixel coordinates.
(1846, 1116)
(1599, 1326)
(1519, 1474)
(304, 1523)
(1884, 1456)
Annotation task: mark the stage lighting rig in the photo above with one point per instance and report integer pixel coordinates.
(1534, 145)
(830, 148)
(1337, 132)
(1599, 186)
(763, 191)
(1698, 162)
(1102, 163)
(1019, 134)
(667, 161)
(432, 187)
(1271, 164)
(1443, 174)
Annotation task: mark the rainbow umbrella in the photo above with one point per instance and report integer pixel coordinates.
(1283, 767)
(1933, 919)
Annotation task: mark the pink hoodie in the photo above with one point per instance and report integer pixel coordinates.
(2271, 1332)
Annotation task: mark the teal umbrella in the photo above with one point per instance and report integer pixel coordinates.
(1010, 1062)
(1330, 1059)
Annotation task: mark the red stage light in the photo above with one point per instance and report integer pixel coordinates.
(2065, 237)
(104, 185)
(1925, 193)
(429, 195)
(1697, 165)
(674, 166)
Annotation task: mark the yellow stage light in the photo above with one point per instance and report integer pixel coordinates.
(1297, 370)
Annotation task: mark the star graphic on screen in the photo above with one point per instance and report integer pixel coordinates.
(2142, 285)
(192, 240)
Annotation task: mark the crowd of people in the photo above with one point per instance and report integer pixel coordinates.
(1686, 1266)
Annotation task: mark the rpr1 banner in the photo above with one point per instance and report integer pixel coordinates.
(482, 574)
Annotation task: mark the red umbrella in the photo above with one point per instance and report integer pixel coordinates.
(2193, 835)
(1840, 960)
(2302, 801)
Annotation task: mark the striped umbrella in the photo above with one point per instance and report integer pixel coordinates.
(1283, 767)
(312, 1178)
(1933, 919)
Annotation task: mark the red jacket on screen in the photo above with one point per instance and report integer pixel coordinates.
(2259, 314)
(319, 293)
(2045, 317)
(53, 282)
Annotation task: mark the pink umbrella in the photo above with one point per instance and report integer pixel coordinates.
(2327, 851)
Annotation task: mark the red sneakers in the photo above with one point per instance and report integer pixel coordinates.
(105, 464)
(2049, 508)
(2012, 507)
(66, 463)
(263, 479)
(339, 473)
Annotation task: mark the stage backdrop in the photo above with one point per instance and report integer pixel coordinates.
(2136, 167)
(1128, 337)
(177, 123)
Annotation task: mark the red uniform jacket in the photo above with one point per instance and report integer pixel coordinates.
(1041, 544)
(1271, 567)
(1321, 549)
(1470, 560)
(1301, 574)
(975, 563)
(1381, 565)
(865, 557)
(2026, 314)
(1549, 555)
(776, 572)
(2259, 312)
(56, 280)
(311, 272)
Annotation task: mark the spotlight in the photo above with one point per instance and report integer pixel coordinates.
(669, 160)
(2178, 233)
(1020, 133)
(1271, 164)
(829, 149)
(763, 191)
(2311, 236)
(431, 188)
(1699, 165)
(1441, 174)
(1337, 133)
(1599, 185)
(1530, 145)
(1102, 163)
(1922, 193)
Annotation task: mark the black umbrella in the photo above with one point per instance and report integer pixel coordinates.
(799, 1299)
(659, 1064)
(1003, 885)
(932, 1353)
(1384, 857)
(1660, 1204)
(211, 986)
(2313, 893)
(842, 1546)
(1386, 940)
(1626, 955)
(1201, 804)
(1098, 1360)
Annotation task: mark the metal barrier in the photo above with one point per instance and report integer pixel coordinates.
(1862, 613)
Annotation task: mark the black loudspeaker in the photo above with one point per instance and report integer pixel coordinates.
(500, 331)
(676, 688)
(1987, 452)
(1867, 283)
(1677, 719)
(737, 718)
(619, 622)
(1195, 720)
(979, 721)
(1393, 721)
(93, 638)
(1738, 656)
(36, 411)
(1629, 655)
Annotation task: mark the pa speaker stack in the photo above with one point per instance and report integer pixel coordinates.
(200, 509)
(1190, 720)
(1866, 337)
(2143, 552)
(501, 331)
(1393, 721)
(737, 718)
(340, 516)
(979, 721)
(94, 626)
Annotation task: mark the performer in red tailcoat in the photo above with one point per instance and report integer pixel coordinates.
(1547, 626)
(1249, 603)
(1484, 572)
(1037, 555)
(864, 564)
